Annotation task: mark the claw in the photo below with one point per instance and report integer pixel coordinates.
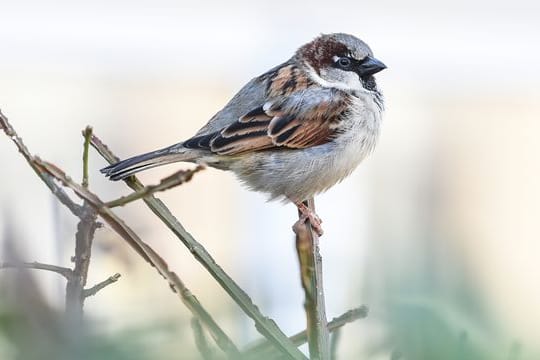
(308, 214)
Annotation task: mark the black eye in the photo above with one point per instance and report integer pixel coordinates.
(344, 62)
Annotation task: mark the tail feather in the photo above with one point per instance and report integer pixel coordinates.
(135, 164)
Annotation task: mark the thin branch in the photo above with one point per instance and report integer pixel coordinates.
(307, 247)
(348, 317)
(200, 340)
(99, 286)
(263, 347)
(55, 189)
(48, 172)
(84, 238)
(87, 133)
(65, 272)
(266, 326)
(202, 315)
(146, 252)
(178, 178)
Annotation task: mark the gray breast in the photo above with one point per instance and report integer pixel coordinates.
(302, 173)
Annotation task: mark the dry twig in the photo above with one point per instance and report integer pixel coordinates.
(48, 172)
(94, 289)
(65, 272)
(85, 229)
(84, 237)
(145, 251)
(55, 189)
(178, 178)
(263, 348)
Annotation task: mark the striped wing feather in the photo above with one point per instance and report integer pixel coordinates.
(300, 120)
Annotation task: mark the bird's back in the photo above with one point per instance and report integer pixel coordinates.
(249, 97)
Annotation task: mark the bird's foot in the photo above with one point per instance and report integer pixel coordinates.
(308, 214)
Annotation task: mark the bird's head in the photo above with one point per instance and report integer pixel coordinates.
(340, 61)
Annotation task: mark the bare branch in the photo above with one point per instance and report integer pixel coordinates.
(178, 178)
(116, 223)
(266, 326)
(55, 189)
(87, 133)
(84, 238)
(145, 251)
(92, 206)
(336, 323)
(65, 272)
(307, 247)
(350, 316)
(200, 340)
(301, 338)
(104, 150)
(94, 289)
(193, 304)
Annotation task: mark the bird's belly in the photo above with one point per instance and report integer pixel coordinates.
(298, 174)
(301, 173)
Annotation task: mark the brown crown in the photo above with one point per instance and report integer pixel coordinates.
(320, 52)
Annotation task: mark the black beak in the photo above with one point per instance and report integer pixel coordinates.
(370, 66)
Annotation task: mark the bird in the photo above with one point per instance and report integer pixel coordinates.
(292, 132)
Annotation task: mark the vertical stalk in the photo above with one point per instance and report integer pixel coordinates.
(76, 283)
(83, 248)
(307, 247)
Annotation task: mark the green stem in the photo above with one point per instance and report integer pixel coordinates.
(264, 348)
(178, 178)
(87, 133)
(307, 246)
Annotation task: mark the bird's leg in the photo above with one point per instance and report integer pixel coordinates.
(307, 213)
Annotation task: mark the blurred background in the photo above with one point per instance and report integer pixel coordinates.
(437, 232)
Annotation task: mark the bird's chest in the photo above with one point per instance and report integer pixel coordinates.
(299, 174)
(323, 166)
(359, 133)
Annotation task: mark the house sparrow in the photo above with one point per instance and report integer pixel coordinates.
(292, 132)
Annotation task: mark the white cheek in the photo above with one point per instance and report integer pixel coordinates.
(351, 81)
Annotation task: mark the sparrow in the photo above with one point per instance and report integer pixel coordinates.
(292, 132)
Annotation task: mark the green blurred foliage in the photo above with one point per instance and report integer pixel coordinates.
(31, 329)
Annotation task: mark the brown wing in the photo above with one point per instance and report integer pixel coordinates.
(303, 119)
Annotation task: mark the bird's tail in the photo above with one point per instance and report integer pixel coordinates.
(128, 167)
